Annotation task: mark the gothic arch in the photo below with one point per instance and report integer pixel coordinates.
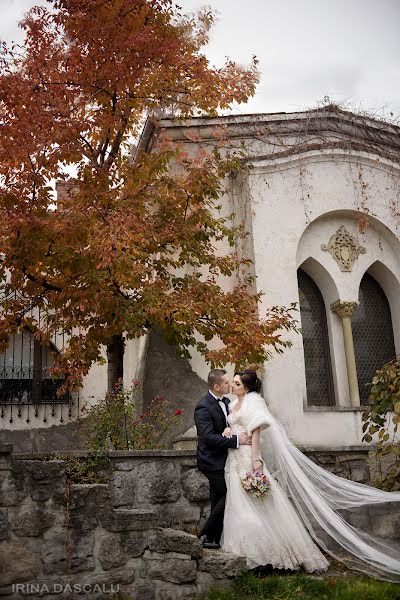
(322, 278)
(372, 333)
(390, 284)
(316, 342)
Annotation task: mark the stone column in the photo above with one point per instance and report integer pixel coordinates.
(345, 310)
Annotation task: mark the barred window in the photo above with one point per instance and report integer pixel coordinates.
(25, 372)
(319, 380)
(372, 333)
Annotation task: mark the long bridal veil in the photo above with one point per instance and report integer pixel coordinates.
(319, 496)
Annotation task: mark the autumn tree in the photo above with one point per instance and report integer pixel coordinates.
(132, 247)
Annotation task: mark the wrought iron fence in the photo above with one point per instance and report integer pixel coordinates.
(27, 388)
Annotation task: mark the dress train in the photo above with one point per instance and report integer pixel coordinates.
(300, 515)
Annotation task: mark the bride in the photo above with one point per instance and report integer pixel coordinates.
(299, 515)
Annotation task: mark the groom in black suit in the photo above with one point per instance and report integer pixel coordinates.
(210, 417)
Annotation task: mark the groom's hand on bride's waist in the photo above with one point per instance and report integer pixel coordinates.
(244, 439)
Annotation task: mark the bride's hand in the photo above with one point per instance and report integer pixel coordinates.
(227, 432)
(257, 465)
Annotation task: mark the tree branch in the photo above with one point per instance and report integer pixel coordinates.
(45, 284)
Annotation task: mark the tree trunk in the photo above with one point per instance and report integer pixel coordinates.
(115, 357)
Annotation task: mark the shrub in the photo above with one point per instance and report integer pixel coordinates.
(92, 468)
(113, 424)
(383, 415)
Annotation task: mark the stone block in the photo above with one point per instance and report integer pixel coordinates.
(342, 470)
(130, 520)
(44, 469)
(384, 508)
(181, 515)
(222, 565)
(88, 503)
(173, 540)
(31, 521)
(111, 553)
(150, 555)
(82, 553)
(126, 465)
(195, 486)
(170, 591)
(143, 590)
(5, 456)
(158, 482)
(205, 581)
(189, 462)
(45, 479)
(386, 525)
(17, 563)
(134, 543)
(352, 457)
(122, 575)
(359, 518)
(90, 495)
(61, 554)
(12, 489)
(5, 449)
(122, 487)
(359, 472)
(4, 525)
(172, 569)
(325, 459)
(54, 554)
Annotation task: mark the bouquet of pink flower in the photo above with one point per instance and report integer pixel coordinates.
(257, 483)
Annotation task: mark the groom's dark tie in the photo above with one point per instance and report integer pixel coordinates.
(226, 402)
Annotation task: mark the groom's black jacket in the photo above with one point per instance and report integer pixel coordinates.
(212, 447)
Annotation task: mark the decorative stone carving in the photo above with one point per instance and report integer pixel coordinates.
(344, 309)
(344, 248)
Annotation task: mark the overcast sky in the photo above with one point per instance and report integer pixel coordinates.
(347, 50)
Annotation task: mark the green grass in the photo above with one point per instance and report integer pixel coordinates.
(305, 587)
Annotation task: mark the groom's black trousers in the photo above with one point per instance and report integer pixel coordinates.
(215, 522)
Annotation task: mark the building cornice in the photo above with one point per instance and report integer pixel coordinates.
(328, 127)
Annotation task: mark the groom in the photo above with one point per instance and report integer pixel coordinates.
(210, 417)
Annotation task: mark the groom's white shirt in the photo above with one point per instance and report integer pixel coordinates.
(222, 405)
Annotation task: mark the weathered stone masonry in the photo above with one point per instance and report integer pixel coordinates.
(135, 532)
(130, 532)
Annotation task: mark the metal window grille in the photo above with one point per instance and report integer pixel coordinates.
(27, 388)
(319, 380)
(372, 334)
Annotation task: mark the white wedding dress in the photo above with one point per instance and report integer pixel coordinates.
(300, 513)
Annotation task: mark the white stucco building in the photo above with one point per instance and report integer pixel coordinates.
(319, 194)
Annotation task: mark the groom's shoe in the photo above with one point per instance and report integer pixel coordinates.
(208, 544)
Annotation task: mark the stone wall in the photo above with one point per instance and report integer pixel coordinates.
(136, 533)
(128, 535)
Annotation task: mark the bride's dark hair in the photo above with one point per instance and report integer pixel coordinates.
(250, 380)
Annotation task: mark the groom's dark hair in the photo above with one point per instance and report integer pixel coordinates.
(215, 376)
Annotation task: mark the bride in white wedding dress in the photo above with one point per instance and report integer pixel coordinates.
(299, 515)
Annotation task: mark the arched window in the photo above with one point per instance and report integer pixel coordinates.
(372, 333)
(317, 358)
(25, 376)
